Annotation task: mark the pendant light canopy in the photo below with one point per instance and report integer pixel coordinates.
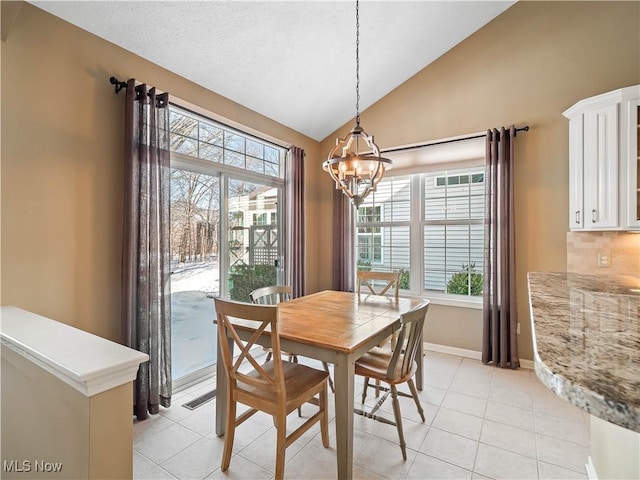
(355, 163)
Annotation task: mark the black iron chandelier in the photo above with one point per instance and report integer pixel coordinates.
(355, 163)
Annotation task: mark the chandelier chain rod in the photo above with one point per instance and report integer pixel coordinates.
(356, 172)
(357, 63)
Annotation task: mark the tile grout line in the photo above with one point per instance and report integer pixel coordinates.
(154, 463)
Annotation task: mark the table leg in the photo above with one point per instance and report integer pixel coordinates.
(221, 391)
(343, 382)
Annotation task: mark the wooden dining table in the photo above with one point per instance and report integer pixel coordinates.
(338, 328)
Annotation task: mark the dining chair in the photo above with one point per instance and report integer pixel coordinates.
(273, 295)
(276, 387)
(391, 282)
(394, 368)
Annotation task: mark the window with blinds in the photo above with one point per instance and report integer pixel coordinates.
(383, 227)
(430, 228)
(453, 231)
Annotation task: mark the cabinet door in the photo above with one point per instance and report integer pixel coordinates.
(601, 168)
(576, 173)
(631, 131)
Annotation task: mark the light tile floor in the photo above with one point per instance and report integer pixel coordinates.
(482, 422)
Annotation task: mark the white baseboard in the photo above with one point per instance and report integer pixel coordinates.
(591, 469)
(463, 352)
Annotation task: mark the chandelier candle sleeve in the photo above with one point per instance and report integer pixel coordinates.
(356, 172)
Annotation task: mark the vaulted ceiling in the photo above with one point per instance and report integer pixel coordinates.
(292, 61)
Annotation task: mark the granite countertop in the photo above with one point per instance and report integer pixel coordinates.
(586, 340)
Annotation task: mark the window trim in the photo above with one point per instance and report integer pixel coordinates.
(456, 300)
(416, 224)
(240, 131)
(449, 299)
(227, 129)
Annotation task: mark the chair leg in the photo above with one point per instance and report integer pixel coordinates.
(377, 389)
(293, 358)
(229, 434)
(325, 365)
(398, 418)
(394, 341)
(324, 420)
(366, 386)
(281, 443)
(414, 394)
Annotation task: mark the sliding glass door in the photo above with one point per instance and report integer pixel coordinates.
(226, 191)
(195, 271)
(241, 245)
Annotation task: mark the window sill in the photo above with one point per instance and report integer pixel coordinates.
(438, 299)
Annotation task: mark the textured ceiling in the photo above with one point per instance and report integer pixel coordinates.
(293, 62)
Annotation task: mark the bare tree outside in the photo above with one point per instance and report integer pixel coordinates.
(195, 216)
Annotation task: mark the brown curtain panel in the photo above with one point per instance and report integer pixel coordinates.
(343, 243)
(146, 303)
(294, 206)
(500, 318)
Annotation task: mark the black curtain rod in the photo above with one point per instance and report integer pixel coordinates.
(442, 142)
(123, 85)
(118, 84)
(160, 99)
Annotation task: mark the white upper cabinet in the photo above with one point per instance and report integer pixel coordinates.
(631, 139)
(603, 161)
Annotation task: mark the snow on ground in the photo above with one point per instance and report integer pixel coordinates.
(193, 334)
(196, 276)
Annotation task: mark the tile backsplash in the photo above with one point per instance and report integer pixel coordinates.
(621, 249)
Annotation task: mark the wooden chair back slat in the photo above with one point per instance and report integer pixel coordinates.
(271, 295)
(408, 340)
(265, 317)
(369, 277)
(245, 355)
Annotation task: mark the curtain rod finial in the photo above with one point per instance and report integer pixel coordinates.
(118, 84)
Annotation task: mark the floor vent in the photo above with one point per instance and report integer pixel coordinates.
(201, 400)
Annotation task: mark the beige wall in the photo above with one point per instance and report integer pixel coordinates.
(62, 173)
(111, 434)
(454, 327)
(45, 420)
(525, 67)
(62, 144)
